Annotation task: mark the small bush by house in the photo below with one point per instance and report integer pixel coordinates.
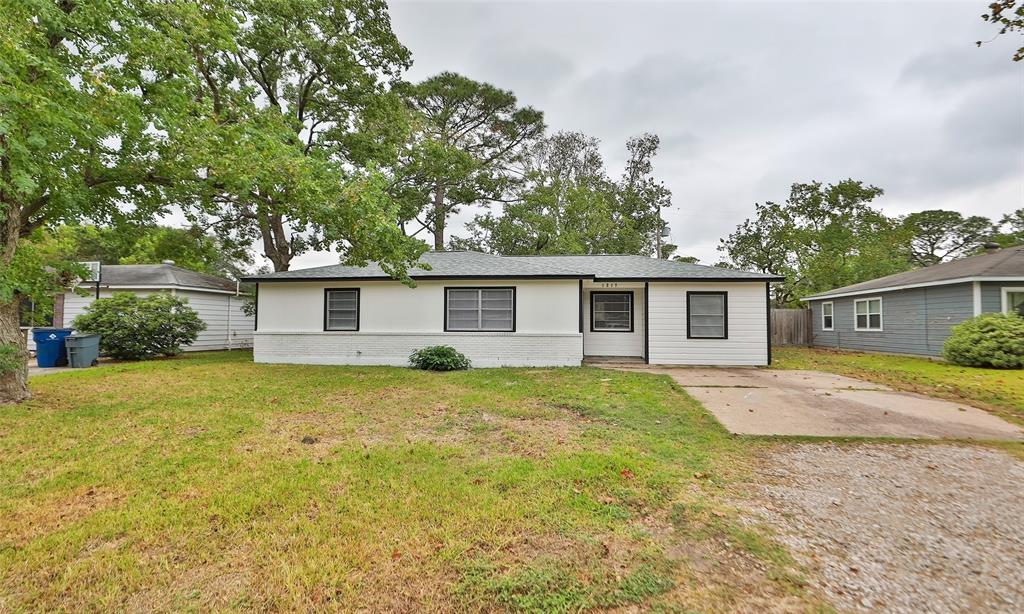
(993, 340)
(439, 358)
(137, 327)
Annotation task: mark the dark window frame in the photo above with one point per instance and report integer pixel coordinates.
(632, 311)
(725, 313)
(359, 306)
(515, 315)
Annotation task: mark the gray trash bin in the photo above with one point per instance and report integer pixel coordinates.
(83, 350)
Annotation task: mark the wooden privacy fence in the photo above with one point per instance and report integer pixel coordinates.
(791, 326)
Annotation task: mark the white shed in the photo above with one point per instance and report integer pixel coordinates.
(218, 301)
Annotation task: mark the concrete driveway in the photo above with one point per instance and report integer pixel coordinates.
(770, 402)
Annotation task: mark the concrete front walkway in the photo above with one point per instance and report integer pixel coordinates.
(770, 402)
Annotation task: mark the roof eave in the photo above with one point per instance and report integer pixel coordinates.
(942, 282)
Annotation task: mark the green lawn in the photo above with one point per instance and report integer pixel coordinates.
(997, 390)
(212, 483)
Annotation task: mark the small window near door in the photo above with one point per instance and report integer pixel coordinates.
(827, 317)
(868, 314)
(1015, 302)
(341, 309)
(707, 315)
(611, 312)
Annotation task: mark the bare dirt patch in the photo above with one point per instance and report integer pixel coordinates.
(322, 431)
(52, 514)
(899, 528)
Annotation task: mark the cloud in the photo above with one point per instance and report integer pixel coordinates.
(749, 98)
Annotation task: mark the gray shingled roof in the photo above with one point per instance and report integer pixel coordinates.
(160, 275)
(1001, 263)
(475, 265)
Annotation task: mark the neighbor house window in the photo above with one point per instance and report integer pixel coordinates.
(827, 319)
(1013, 301)
(869, 313)
(707, 315)
(341, 309)
(483, 309)
(611, 312)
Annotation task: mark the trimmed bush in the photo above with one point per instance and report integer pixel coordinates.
(993, 340)
(138, 327)
(439, 358)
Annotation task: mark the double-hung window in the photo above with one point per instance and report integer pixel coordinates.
(868, 312)
(611, 312)
(707, 315)
(341, 309)
(480, 309)
(827, 316)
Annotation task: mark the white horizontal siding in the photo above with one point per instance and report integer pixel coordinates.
(227, 327)
(747, 323)
(381, 348)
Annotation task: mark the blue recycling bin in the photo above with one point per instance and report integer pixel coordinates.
(50, 350)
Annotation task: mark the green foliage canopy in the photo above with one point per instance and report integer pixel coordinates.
(822, 237)
(567, 204)
(466, 137)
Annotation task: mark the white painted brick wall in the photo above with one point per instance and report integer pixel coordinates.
(358, 348)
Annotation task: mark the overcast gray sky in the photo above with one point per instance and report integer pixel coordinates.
(750, 97)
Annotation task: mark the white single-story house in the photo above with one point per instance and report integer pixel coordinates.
(913, 312)
(218, 301)
(516, 311)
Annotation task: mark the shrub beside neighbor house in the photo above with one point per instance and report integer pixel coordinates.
(993, 340)
(439, 358)
(137, 327)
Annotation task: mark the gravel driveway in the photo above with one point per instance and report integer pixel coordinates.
(899, 528)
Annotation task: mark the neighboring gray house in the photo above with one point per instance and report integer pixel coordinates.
(516, 311)
(217, 301)
(912, 312)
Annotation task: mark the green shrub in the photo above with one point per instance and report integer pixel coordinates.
(134, 327)
(439, 358)
(990, 340)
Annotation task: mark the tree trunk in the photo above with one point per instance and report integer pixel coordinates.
(439, 218)
(276, 243)
(13, 386)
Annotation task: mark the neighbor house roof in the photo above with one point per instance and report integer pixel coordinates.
(160, 276)
(998, 265)
(476, 265)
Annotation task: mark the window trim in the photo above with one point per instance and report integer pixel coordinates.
(832, 315)
(359, 305)
(461, 330)
(1005, 294)
(881, 314)
(725, 313)
(632, 310)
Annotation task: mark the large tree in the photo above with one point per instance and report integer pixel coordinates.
(937, 235)
(566, 204)
(822, 237)
(467, 136)
(563, 205)
(89, 93)
(640, 198)
(294, 93)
